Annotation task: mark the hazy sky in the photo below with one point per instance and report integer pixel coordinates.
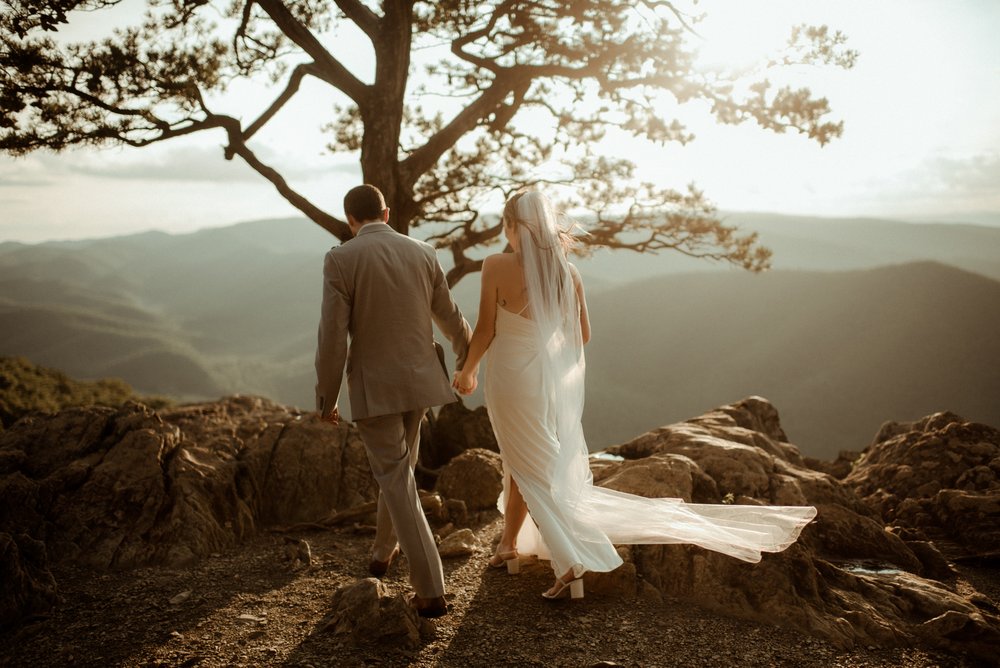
(922, 136)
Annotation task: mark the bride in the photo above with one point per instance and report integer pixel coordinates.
(533, 320)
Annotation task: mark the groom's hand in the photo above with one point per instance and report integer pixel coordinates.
(465, 383)
(333, 417)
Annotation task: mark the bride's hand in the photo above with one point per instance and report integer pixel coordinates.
(465, 381)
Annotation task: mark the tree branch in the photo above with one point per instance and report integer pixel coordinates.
(462, 269)
(466, 120)
(329, 69)
(173, 133)
(237, 146)
(472, 36)
(463, 265)
(365, 18)
(293, 86)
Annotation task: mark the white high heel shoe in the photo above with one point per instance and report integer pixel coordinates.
(509, 559)
(575, 587)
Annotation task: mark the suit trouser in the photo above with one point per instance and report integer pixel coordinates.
(392, 443)
(385, 534)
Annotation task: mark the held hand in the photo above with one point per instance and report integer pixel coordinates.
(465, 382)
(333, 417)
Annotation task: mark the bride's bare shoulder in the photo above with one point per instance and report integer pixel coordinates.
(500, 261)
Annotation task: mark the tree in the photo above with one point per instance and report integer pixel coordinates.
(584, 67)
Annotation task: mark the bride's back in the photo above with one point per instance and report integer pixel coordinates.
(512, 291)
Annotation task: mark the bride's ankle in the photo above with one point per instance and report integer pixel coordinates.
(569, 576)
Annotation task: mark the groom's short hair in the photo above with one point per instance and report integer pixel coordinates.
(364, 203)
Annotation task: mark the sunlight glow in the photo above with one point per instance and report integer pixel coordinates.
(741, 35)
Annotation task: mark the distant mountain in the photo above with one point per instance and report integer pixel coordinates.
(193, 315)
(838, 353)
(234, 309)
(811, 243)
(825, 244)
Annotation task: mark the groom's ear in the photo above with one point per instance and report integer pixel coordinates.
(385, 215)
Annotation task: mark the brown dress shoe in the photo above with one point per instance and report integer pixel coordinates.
(429, 607)
(380, 568)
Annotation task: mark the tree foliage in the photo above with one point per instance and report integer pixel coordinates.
(529, 88)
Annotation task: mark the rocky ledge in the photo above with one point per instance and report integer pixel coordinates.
(110, 489)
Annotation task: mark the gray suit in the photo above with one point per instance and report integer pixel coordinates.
(385, 289)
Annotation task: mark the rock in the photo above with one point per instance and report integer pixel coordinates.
(620, 582)
(839, 468)
(840, 533)
(454, 430)
(298, 552)
(304, 468)
(459, 543)
(658, 475)
(365, 613)
(251, 619)
(940, 476)
(732, 460)
(446, 530)
(933, 562)
(756, 414)
(129, 487)
(180, 598)
(456, 511)
(117, 488)
(475, 477)
(810, 586)
(28, 585)
(965, 631)
(433, 506)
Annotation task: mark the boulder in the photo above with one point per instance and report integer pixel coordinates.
(28, 585)
(366, 614)
(839, 468)
(659, 475)
(939, 476)
(840, 534)
(622, 581)
(848, 579)
(475, 477)
(454, 430)
(117, 488)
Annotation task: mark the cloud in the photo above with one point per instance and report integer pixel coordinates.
(978, 175)
(202, 164)
(170, 164)
(942, 185)
(26, 172)
(178, 164)
(18, 182)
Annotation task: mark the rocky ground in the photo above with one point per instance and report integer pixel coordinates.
(250, 607)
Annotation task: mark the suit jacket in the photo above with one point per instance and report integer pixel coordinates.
(384, 289)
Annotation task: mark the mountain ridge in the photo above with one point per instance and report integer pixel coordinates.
(870, 345)
(234, 309)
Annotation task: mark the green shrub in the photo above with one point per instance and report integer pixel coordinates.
(25, 387)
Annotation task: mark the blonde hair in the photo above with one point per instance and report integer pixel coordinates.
(515, 214)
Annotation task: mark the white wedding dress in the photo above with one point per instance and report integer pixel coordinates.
(533, 382)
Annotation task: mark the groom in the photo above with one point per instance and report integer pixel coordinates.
(384, 289)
